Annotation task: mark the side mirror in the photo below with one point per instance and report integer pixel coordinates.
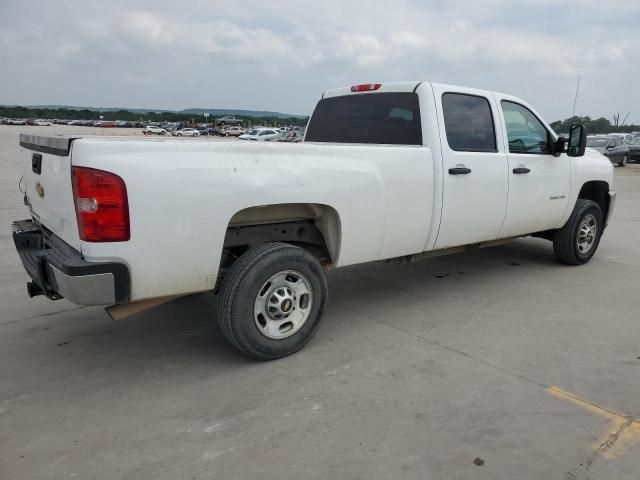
(577, 140)
(557, 147)
(609, 147)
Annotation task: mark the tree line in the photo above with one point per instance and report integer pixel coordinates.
(598, 125)
(87, 114)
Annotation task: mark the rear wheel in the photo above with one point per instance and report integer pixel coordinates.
(624, 160)
(272, 300)
(578, 240)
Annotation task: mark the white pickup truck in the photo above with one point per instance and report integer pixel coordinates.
(395, 171)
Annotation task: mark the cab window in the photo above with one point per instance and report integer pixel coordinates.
(380, 118)
(526, 134)
(468, 123)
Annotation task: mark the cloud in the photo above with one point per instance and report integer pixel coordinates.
(282, 56)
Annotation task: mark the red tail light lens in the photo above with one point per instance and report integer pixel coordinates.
(366, 87)
(102, 208)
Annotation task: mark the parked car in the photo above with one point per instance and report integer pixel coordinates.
(233, 131)
(293, 137)
(153, 130)
(42, 123)
(262, 135)
(228, 120)
(16, 121)
(611, 147)
(634, 150)
(624, 136)
(209, 131)
(186, 132)
(357, 190)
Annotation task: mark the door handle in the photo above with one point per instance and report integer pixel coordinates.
(521, 170)
(459, 171)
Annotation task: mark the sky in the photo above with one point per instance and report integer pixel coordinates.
(281, 55)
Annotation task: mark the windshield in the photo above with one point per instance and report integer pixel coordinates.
(254, 132)
(597, 142)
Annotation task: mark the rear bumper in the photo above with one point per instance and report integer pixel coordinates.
(59, 271)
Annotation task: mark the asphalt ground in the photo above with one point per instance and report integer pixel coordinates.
(496, 364)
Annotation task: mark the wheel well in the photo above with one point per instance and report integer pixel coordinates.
(314, 227)
(598, 191)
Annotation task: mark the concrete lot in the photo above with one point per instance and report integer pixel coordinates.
(501, 355)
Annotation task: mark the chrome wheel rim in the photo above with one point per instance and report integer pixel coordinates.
(587, 234)
(283, 304)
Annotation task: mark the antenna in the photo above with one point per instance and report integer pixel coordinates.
(575, 100)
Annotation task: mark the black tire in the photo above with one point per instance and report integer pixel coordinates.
(565, 240)
(241, 286)
(624, 160)
(178, 134)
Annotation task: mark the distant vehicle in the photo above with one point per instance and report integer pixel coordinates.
(209, 131)
(42, 123)
(186, 132)
(624, 136)
(293, 137)
(262, 135)
(228, 120)
(154, 130)
(611, 147)
(233, 131)
(16, 121)
(634, 150)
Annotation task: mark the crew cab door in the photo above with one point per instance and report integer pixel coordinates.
(539, 182)
(474, 197)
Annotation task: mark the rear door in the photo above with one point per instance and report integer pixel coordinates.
(46, 181)
(474, 197)
(539, 183)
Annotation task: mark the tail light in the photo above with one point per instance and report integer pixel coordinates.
(366, 87)
(101, 202)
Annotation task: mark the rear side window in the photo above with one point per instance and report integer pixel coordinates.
(468, 123)
(383, 118)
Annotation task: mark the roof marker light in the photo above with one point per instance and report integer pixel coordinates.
(366, 87)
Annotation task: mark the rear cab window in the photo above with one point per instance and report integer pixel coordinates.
(377, 118)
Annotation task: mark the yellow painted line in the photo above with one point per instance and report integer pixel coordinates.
(592, 407)
(622, 433)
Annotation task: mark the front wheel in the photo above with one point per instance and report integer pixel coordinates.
(578, 240)
(272, 300)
